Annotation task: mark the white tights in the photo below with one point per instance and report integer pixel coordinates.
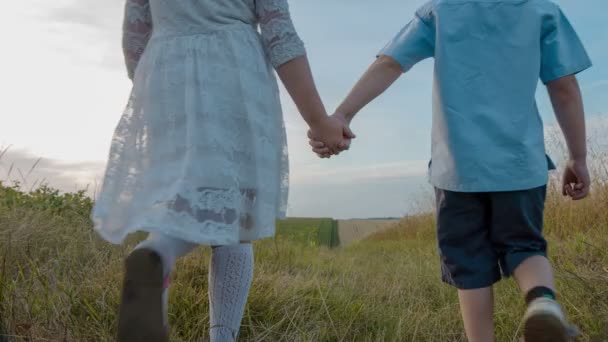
(230, 275)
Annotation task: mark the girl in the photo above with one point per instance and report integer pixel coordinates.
(199, 156)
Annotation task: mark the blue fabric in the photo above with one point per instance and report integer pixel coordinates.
(489, 56)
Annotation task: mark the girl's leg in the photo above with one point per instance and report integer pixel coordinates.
(143, 309)
(230, 275)
(477, 307)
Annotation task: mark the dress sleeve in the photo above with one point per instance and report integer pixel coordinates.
(137, 29)
(279, 35)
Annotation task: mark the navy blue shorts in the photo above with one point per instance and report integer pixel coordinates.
(485, 236)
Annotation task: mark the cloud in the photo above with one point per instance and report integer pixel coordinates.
(88, 31)
(383, 172)
(382, 197)
(31, 171)
(102, 15)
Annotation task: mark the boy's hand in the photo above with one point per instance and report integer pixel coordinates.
(322, 149)
(577, 181)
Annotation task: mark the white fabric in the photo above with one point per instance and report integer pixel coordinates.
(169, 249)
(230, 275)
(200, 153)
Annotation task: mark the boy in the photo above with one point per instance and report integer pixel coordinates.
(489, 165)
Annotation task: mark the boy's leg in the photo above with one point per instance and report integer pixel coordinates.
(517, 234)
(143, 309)
(517, 224)
(468, 260)
(230, 275)
(544, 319)
(536, 271)
(477, 307)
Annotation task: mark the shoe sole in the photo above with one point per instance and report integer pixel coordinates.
(141, 311)
(545, 328)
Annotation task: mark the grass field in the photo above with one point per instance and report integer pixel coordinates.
(314, 232)
(303, 230)
(60, 282)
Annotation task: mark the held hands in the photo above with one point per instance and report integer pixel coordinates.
(576, 182)
(331, 136)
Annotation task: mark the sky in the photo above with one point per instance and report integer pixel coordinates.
(64, 87)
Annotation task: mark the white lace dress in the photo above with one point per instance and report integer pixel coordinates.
(200, 153)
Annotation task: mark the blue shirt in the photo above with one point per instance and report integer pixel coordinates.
(489, 55)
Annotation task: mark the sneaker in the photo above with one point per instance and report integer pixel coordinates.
(545, 322)
(141, 308)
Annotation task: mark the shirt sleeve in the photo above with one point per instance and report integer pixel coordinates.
(279, 35)
(137, 29)
(562, 52)
(414, 43)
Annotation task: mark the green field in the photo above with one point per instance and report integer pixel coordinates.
(313, 232)
(60, 282)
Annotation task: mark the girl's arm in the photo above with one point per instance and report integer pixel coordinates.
(137, 29)
(298, 80)
(287, 54)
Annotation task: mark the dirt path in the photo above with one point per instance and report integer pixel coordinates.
(356, 230)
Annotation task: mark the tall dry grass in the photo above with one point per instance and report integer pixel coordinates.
(60, 282)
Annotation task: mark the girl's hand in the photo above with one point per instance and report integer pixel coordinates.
(322, 149)
(328, 130)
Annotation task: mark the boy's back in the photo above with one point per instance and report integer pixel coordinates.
(489, 166)
(489, 55)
